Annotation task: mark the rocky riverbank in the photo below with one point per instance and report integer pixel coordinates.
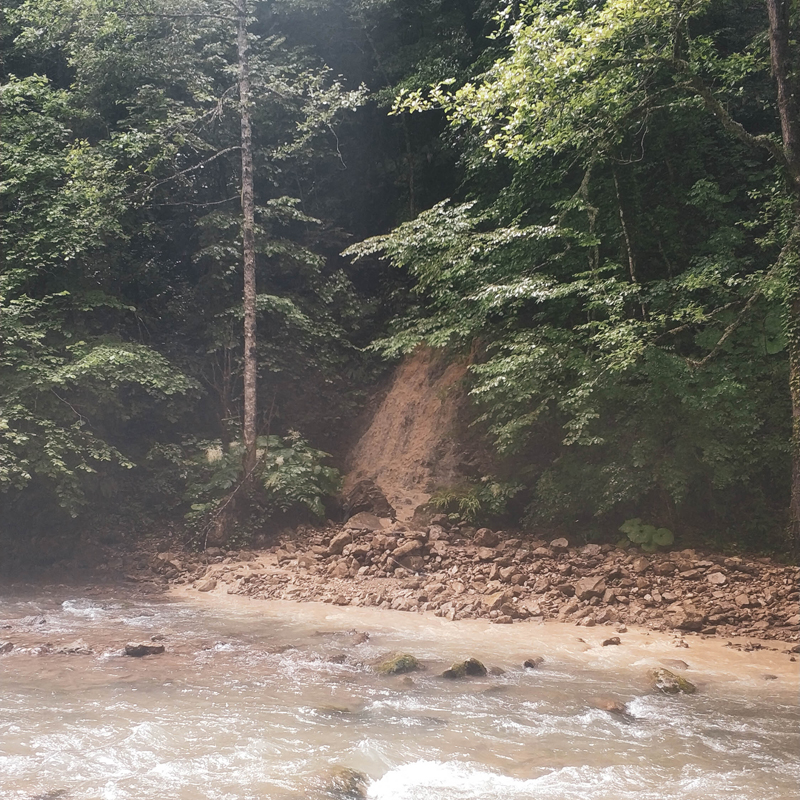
(461, 573)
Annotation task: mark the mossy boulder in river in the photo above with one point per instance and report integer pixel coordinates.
(347, 784)
(670, 683)
(398, 665)
(461, 669)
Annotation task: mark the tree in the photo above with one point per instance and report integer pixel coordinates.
(613, 268)
(318, 113)
(164, 93)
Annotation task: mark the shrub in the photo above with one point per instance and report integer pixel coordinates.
(290, 472)
(648, 537)
(471, 501)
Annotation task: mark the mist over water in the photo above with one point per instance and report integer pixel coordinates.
(266, 700)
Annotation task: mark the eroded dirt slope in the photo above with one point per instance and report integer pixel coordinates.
(410, 446)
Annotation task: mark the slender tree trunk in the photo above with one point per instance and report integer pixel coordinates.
(412, 199)
(248, 247)
(626, 235)
(794, 386)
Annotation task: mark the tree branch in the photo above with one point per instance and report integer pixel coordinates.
(198, 205)
(731, 329)
(145, 14)
(177, 175)
(732, 126)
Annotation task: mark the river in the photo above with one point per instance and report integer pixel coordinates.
(267, 700)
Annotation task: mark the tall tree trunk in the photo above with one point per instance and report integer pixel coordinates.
(790, 258)
(248, 247)
(785, 73)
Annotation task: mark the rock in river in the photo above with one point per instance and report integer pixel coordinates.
(461, 669)
(139, 649)
(670, 683)
(78, 647)
(347, 784)
(398, 665)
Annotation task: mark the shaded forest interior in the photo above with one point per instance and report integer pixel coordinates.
(592, 206)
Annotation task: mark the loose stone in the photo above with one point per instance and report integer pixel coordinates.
(469, 668)
(533, 663)
(139, 649)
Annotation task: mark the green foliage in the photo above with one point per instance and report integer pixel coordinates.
(60, 196)
(479, 501)
(291, 475)
(648, 537)
(66, 381)
(294, 475)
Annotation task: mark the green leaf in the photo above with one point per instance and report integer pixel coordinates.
(663, 537)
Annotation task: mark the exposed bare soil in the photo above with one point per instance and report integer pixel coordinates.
(410, 447)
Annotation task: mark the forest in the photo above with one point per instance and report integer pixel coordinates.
(399, 399)
(225, 221)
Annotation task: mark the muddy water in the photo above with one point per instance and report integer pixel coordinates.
(265, 700)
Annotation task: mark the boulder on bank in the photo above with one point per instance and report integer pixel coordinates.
(367, 496)
(462, 669)
(688, 619)
(398, 665)
(364, 521)
(339, 542)
(486, 538)
(408, 547)
(587, 588)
